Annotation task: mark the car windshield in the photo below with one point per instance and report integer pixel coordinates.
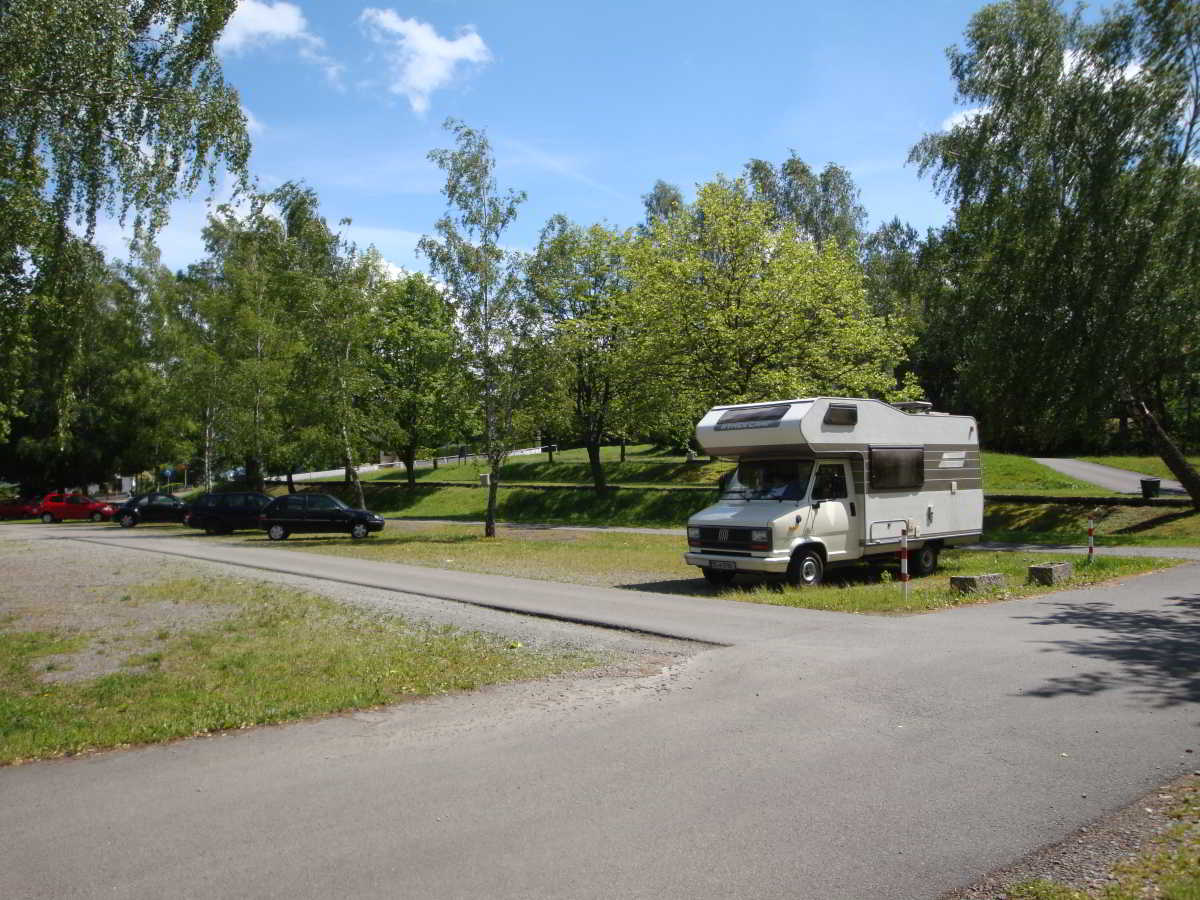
(770, 479)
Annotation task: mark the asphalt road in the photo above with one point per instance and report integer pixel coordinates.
(814, 755)
(1108, 477)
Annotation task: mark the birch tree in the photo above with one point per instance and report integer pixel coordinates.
(483, 277)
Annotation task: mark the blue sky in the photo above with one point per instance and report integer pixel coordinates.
(586, 105)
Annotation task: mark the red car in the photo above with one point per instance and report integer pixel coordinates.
(26, 508)
(56, 507)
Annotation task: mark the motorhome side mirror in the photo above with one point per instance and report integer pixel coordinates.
(816, 504)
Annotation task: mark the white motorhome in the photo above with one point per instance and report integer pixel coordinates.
(824, 481)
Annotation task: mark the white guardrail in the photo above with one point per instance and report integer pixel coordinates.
(372, 467)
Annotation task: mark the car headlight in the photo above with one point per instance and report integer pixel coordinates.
(760, 535)
(693, 533)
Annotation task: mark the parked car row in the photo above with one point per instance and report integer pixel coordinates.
(215, 513)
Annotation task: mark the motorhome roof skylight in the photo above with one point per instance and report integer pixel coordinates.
(753, 417)
(841, 414)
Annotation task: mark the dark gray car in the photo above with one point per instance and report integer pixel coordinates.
(220, 513)
(315, 513)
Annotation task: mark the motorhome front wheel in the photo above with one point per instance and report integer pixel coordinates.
(806, 569)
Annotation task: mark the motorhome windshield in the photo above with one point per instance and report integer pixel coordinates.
(771, 479)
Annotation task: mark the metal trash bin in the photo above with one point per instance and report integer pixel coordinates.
(1150, 487)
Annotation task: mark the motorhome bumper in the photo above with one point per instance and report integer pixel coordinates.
(777, 565)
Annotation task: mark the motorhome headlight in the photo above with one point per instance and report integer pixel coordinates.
(693, 533)
(760, 536)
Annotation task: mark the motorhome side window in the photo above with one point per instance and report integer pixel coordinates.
(897, 468)
(830, 483)
(771, 479)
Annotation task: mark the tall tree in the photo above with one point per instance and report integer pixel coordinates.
(1077, 204)
(497, 320)
(823, 207)
(663, 201)
(103, 105)
(578, 276)
(423, 397)
(737, 309)
(252, 308)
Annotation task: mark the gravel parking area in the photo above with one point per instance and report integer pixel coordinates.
(77, 587)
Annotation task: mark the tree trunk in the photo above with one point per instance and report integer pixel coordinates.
(622, 449)
(550, 450)
(291, 484)
(593, 452)
(410, 461)
(1175, 460)
(489, 521)
(435, 460)
(254, 474)
(208, 445)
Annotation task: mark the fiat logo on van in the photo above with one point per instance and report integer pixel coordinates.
(722, 535)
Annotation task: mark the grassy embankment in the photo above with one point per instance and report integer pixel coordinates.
(654, 563)
(275, 654)
(1003, 474)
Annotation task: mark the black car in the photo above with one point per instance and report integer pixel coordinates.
(217, 513)
(296, 513)
(152, 507)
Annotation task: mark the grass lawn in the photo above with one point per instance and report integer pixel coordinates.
(271, 654)
(656, 509)
(1168, 869)
(1003, 473)
(654, 562)
(1049, 523)
(1007, 473)
(642, 466)
(1143, 465)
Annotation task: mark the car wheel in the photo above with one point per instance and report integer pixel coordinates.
(925, 560)
(47, 518)
(718, 577)
(806, 568)
(212, 526)
(359, 531)
(277, 533)
(127, 520)
(97, 517)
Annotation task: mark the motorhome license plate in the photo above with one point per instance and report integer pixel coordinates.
(722, 564)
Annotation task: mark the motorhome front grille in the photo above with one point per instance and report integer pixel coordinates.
(726, 537)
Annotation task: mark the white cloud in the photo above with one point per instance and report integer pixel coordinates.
(253, 124)
(421, 61)
(256, 23)
(963, 117)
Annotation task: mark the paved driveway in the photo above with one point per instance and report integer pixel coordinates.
(1110, 478)
(814, 756)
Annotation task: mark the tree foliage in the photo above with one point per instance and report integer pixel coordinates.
(580, 280)
(738, 307)
(103, 106)
(1077, 212)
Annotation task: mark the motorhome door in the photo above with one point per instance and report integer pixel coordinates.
(832, 507)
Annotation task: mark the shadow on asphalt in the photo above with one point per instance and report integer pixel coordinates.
(852, 576)
(1156, 653)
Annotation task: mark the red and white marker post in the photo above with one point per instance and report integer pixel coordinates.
(1091, 540)
(904, 560)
